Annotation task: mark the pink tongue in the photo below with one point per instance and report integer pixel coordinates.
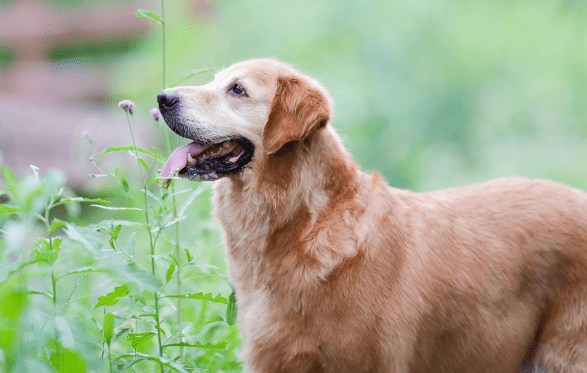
(178, 160)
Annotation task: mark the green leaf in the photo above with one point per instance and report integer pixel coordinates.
(188, 254)
(128, 364)
(87, 236)
(216, 346)
(136, 275)
(81, 199)
(9, 178)
(190, 200)
(170, 272)
(167, 257)
(64, 332)
(163, 221)
(231, 309)
(89, 269)
(56, 224)
(65, 360)
(109, 327)
(113, 297)
(186, 190)
(108, 225)
(161, 359)
(40, 293)
(45, 252)
(131, 244)
(12, 307)
(124, 183)
(121, 332)
(190, 74)
(153, 196)
(5, 209)
(203, 265)
(137, 340)
(208, 296)
(118, 208)
(169, 223)
(147, 14)
(6, 269)
(144, 164)
(116, 231)
(132, 148)
(56, 245)
(148, 310)
(160, 329)
(41, 251)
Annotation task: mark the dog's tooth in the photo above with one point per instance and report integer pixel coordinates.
(235, 158)
(190, 159)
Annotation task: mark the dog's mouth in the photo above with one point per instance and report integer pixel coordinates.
(211, 161)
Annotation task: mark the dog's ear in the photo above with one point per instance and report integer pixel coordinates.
(297, 110)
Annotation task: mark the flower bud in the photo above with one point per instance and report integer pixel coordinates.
(86, 136)
(156, 114)
(127, 105)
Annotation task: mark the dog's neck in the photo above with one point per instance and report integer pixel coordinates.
(307, 189)
(301, 174)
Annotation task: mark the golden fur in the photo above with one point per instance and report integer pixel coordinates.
(335, 271)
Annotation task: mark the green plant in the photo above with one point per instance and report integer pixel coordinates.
(101, 296)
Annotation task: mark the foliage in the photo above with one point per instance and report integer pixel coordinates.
(111, 295)
(103, 297)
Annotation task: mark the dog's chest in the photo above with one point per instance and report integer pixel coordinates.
(245, 228)
(279, 333)
(281, 286)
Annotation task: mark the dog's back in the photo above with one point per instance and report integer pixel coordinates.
(502, 269)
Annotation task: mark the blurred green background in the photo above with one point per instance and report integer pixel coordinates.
(432, 94)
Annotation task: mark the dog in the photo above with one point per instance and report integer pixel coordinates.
(335, 271)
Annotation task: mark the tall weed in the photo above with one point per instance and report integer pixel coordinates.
(124, 294)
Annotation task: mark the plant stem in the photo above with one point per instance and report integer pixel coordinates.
(178, 300)
(163, 54)
(110, 357)
(151, 243)
(163, 30)
(143, 179)
(54, 283)
(48, 227)
(173, 201)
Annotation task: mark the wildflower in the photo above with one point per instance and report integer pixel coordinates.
(127, 105)
(86, 136)
(156, 114)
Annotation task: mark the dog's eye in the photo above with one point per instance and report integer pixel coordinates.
(237, 90)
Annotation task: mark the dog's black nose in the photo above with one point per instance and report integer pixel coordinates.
(166, 101)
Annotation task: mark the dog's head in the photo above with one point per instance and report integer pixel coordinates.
(250, 110)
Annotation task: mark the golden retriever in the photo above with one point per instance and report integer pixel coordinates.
(335, 271)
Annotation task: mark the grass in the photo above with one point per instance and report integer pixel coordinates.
(124, 294)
